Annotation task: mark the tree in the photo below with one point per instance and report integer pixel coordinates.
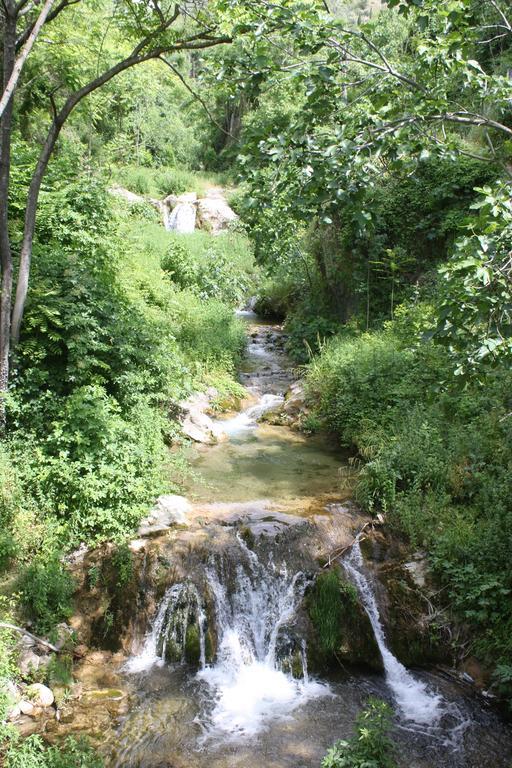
(156, 29)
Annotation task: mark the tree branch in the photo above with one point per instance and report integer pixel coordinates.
(137, 56)
(196, 96)
(22, 39)
(21, 631)
(20, 61)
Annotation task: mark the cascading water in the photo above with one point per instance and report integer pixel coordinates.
(179, 610)
(252, 680)
(416, 702)
(248, 419)
(182, 218)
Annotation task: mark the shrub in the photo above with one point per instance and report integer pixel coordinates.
(32, 753)
(371, 746)
(212, 267)
(46, 591)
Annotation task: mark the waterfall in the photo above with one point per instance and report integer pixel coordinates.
(179, 614)
(417, 703)
(252, 680)
(182, 218)
(248, 419)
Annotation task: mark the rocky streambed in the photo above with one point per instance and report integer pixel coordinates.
(243, 627)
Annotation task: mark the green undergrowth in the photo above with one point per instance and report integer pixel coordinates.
(111, 343)
(435, 456)
(371, 746)
(160, 182)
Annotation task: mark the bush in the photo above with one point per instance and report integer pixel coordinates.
(220, 267)
(437, 459)
(46, 591)
(371, 746)
(32, 753)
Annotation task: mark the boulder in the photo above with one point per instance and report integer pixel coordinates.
(27, 707)
(295, 400)
(214, 214)
(196, 424)
(29, 662)
(40, 695)
(169, 510)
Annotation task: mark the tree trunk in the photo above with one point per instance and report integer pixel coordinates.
(9, 54)
(12, 81)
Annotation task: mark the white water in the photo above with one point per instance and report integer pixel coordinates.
(247, 682)
(182, 218)
(416, 702)
(165, 628)
(248, 419)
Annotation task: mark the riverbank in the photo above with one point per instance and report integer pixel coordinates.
(215, 642)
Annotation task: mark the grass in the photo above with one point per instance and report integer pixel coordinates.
(160, 182)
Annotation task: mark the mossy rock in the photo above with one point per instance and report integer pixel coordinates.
(412, 636)
(342, 630)
(119, 587)
(192, 645)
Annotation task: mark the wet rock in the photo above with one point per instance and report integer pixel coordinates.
(40, 695)
(418, 569)
(342, 630)
(196, 423)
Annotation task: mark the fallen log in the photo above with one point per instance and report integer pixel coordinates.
(21, 631)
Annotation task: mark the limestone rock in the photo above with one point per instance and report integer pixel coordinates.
(14, 712)
(29, 662)
(196, 424)
(26, 707)
(169, 510)
(40, 695)
(214, 213)
(295, 401)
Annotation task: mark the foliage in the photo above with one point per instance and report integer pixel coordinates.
(436, 456)
(32, 753)
(220, 267)
(475, 317)
(371, 746)
(46, 591)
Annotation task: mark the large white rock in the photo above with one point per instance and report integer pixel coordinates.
(214, 214)
(196, 424)
(40, 695)
(169, 510)
(26, 707)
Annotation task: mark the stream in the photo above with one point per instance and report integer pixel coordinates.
(250, 701)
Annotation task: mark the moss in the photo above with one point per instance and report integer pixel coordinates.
(325, 610)
(343, 633)
(192, 645)
(413, 638)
